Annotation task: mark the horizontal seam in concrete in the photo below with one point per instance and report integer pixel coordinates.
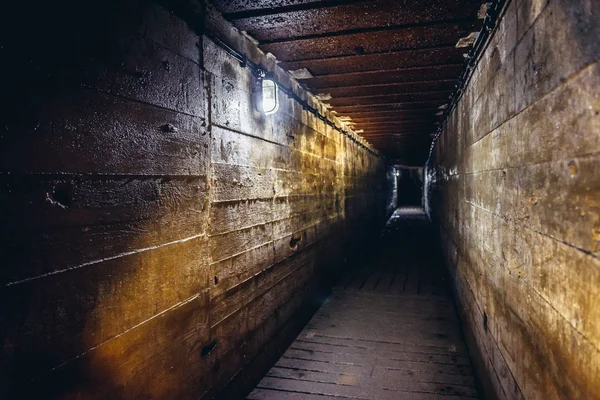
(138, 101)
(230, 129)
(532, 288)
(300, 230)
(272, 221)
(100, 175)
(542, 97)
(509, 59)
(274, 197)
(532, 24)
(292, 148)
(291, 196)
(175, 306)
(245, 199)
(268, 244)
(510, 221)
(521, 166)
(120, 255)
(262, 293)
(271, 241)
(173, 51)
(266, 168)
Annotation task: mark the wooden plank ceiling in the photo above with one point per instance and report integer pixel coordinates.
(387, 64)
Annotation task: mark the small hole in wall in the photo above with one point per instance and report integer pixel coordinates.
(170, 128)
(573, 169)
(206, 350)
(60, 196)
(295, 241)
(216, 280)
(359, 50)
(485, 321)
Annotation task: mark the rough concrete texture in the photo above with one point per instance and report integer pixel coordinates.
(158, 232)
(516, 191)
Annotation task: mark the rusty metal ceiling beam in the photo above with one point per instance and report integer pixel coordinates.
(398, 128)
(396, 88)
(370, 130)
(402, 119)
(384, 134)
(409, 58)
(395, 124)
(414, 133)
(441, 30)
(344, 110)
(411, 135)
(398, 139)
(406, 148)
(382, 76)
(428, 112)
(390, 99)
(364, 122)
(316, 63)
(376, 130)
(383, 40)
(334, 15)
(237, 9)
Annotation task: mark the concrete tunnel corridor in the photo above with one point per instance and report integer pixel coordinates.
(300, 199)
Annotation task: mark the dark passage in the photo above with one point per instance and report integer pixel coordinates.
(409, 187)
(389, 330)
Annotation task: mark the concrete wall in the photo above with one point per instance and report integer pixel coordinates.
(517, 195)
(157, 232)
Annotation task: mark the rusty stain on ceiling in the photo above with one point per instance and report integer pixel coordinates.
(389, 65)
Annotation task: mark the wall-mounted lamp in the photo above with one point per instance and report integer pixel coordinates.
(266, 94)
(270, 97)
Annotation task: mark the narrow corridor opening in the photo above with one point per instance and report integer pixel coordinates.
(389, 330)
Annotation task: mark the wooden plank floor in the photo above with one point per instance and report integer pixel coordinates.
(388, 331)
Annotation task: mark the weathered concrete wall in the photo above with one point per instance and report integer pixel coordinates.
(517, 195)
(157, 232)
(290, 196)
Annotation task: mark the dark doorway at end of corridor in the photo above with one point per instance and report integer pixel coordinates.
(409, 186)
